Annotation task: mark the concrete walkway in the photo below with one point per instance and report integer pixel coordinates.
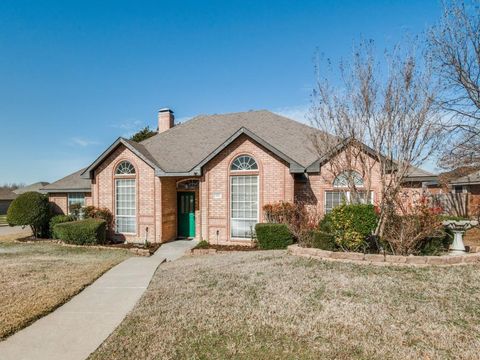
(77, 328)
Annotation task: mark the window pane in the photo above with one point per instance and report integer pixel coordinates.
(76, 198)
(125, 211)
(244, 205)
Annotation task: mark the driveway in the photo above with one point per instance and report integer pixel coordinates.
(14, 230)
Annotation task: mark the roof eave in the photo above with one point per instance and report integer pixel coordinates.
(420, 178)
(88, 173)
(48, 191)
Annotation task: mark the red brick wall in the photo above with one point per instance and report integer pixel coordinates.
(275, 184)
(313, 191)
(60, 201)
(147, 187)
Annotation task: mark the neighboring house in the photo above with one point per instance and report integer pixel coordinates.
(7, 195)
(457, 192)
(208, 178)
(37, 187)
(467, 188)
(6, 198)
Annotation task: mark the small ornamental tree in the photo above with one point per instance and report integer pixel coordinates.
(30, 209)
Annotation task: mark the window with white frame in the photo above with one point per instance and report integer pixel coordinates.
(244, 205)
(348, 178)
(125, 199)
(76, 199)
(334, 198)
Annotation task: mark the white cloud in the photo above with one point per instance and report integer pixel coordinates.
(297, 112)
(76, 141)
(129, 127)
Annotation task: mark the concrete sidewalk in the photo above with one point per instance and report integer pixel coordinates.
(77, 328)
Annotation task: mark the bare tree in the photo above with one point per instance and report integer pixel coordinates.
(384, 111)
(454, 52)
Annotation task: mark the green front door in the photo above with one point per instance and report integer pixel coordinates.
(186, 214)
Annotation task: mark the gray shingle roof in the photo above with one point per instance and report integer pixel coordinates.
(7, 194)
(416, 172)
(32, 187)
(183, 147)
(70, 183)
(188, 146)
(473, 178)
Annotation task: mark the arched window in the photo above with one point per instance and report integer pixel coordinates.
(125, 168)
(125, 199)
(244, 163)
(244, 197)
(348, 178)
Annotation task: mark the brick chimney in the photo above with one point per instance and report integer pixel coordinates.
(166, 119)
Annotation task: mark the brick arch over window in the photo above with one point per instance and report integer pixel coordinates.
(244, 162)
(348, 177)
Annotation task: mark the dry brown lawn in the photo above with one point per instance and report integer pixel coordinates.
(37, 278)
(270, 305)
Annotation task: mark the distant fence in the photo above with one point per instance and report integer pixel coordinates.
(451, 203)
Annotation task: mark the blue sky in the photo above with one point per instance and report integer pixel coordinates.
(75, 75)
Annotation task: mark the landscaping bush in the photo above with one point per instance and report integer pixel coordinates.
(82, 232)
(31, 209)
(204, 244)
(419, 231)
(351, 225)
(92, 212)
(58, 219)
(323, 240)
(300, 221)
(273, 236)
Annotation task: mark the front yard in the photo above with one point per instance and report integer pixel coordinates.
(270, 305)
(35, 278)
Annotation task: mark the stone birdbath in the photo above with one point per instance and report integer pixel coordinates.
(458, 228)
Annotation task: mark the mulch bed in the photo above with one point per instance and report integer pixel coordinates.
(232, 247)
(151, 246)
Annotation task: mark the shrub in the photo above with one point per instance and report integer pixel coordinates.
(273, 236)
(92, 212)
(323, 240)
(32, 209)
(352, 224)
(82, 232)
(204, 244)
(75, 210)
(414, 232)
(58, 219)
(300, 221)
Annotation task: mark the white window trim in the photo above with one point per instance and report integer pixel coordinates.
(126, 216)
(230, 206)
(347, 196)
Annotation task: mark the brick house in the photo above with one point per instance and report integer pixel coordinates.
(208, 178)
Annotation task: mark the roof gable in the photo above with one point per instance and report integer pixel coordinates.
(136, 148)
(184, 148)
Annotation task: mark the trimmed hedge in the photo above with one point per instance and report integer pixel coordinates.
(32, 209)
(82, 232)
(273, 236)
(59, 219)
